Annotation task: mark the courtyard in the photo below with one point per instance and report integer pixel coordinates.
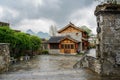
(49, 67)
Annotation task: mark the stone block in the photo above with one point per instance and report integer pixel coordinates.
(4, 57)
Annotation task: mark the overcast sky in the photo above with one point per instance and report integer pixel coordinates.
(39, 15)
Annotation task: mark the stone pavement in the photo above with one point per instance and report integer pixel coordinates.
(59, 75)
(47, 67)
(92, 52)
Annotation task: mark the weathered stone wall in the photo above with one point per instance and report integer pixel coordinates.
(54, 51)
(4, 57)
(108, 20)
(89, 62)
(107, 61)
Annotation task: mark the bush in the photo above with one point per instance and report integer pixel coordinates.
(45, 52)
(19, 42)
(80, 54)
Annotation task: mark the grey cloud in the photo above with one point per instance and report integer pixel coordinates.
(66, 7)
(56, 10)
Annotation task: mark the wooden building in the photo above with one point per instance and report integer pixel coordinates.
(70, 40)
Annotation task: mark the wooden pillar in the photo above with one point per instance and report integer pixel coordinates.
(76, 46)
(48, 46)
(59, 46)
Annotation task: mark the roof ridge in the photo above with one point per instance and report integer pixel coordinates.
(72, 25)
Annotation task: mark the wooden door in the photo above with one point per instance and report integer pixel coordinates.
(68, 48)
(67, 51)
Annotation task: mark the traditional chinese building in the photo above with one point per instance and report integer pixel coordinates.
(3, 24)
(70, 40)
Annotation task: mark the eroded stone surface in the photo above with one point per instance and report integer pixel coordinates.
(109, 38)
(107, 61)
(4, 57)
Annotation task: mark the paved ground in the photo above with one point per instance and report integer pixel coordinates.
(47, 67)
(92, 52)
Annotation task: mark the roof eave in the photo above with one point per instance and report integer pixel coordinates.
(72, 25)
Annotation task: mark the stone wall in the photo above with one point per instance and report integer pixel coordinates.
(54, 51)
(108, 49)
(89, 62)
(4, 57)
(107, 61)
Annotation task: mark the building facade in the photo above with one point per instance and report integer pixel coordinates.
(71, 40)
(92, 41)
(3, 24)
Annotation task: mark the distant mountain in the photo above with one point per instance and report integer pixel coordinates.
(43, 35)
(29, 31)
(39, 34)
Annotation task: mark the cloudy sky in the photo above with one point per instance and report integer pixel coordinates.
(39, 15)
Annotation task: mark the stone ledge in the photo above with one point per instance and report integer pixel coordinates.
(4, 57)
(107, 8)
(103, 68)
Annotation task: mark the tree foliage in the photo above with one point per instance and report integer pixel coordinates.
(85, 28)
(35, 43)
(19, 42)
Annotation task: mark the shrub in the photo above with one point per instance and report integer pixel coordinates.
(80, 54)
(45, 52)
(19, 42)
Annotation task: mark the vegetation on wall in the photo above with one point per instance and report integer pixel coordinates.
(20, 43)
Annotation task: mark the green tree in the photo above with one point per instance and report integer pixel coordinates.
(35, 41)
(22, 44)
(85, 28)
(19, 42)
(7, 36)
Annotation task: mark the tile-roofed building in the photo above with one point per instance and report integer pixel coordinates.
(55, 39)
(4, 24)
(70, 40)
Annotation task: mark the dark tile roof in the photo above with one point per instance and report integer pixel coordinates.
(55, 39)
(4, 24)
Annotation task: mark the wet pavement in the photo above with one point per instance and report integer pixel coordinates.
(92, 52)
(48, 67)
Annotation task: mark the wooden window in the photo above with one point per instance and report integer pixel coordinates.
(66, 46)
(54, 46)
(72, 46)
(76, 34)
(69, 46)
(62, 46)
